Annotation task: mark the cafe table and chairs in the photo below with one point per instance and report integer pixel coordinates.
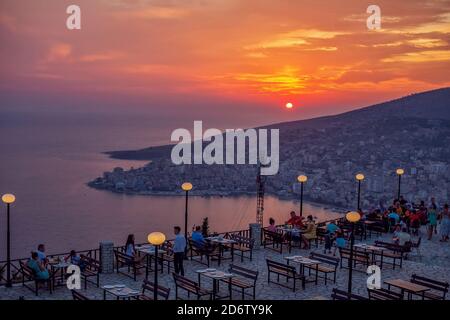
(305, 262)
(215, 276)
(120, 292)
(223, 244)
(149, 251)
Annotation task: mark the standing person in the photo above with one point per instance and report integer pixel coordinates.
(332, 228)
(179, 247)
(432, 221)
(445, 224)
(340, 241)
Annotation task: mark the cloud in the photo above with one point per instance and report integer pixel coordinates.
(96, 57)
(8, 22)
(421, 56)
(59, 51)
(295, 38)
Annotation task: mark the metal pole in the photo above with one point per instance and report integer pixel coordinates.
(8, 249)
(399, 183)
(186, 224)
(301, 199)
(359, 194)
(155, 289)
(350, 267)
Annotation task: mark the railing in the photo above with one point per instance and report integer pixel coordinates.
(16, 274)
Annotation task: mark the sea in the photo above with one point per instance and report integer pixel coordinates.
(47, 157)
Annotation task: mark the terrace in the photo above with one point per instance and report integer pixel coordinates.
(432, 262)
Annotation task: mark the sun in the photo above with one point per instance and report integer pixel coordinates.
(289, 105)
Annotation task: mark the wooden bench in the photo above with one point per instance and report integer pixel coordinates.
(28, 275)
(210, 252)
(344, 295)
(284, 270)
(123, 260)
(361, 258)
(189, 286)
(394, 252)
(247, 280)
(78, 296)
(274, 239)
(91, 268)
(243, 245)
(440, 288)
(148, 291)
(383, 294)
(328, 265)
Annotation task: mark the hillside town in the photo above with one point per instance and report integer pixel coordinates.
(330, 156)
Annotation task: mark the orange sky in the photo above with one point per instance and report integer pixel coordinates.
(256, 53)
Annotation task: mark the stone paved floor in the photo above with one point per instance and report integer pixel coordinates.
(434, 263)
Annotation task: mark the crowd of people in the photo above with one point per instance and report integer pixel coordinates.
(402, 215)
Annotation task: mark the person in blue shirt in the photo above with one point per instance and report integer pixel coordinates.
(332, 228)
(39, 271)
(393, 219)
(198, 238)
(41, 254)
(179, 248)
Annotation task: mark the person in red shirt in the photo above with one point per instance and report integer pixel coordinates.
(295, 220)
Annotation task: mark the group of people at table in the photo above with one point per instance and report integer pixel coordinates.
(39, 263)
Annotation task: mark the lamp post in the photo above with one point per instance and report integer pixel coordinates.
(351, 217)
(399, 172)
(359, 178)
(8, 199)
(156, 239)
(187, 186)
(302, 179)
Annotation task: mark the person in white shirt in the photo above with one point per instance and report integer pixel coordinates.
(402, 237)
(179, 248)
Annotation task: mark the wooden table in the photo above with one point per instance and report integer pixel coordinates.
(215, 276)
(304, 261)
(222, 242)
(407, 286)
(374, 250)
(60, 268)
(149, 251)
(120, 293)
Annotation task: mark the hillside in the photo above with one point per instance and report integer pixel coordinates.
(412, 132)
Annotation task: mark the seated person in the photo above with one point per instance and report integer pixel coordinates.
(197, 237)
(309, 233)
(41, 254)
(295, 220)
(130, 250)
(271, 226)
(402, 237)
(75, 259)
(39, 270)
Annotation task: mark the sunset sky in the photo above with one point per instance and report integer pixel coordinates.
(221, 59)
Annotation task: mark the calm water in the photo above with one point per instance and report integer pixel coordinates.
(46, 158)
